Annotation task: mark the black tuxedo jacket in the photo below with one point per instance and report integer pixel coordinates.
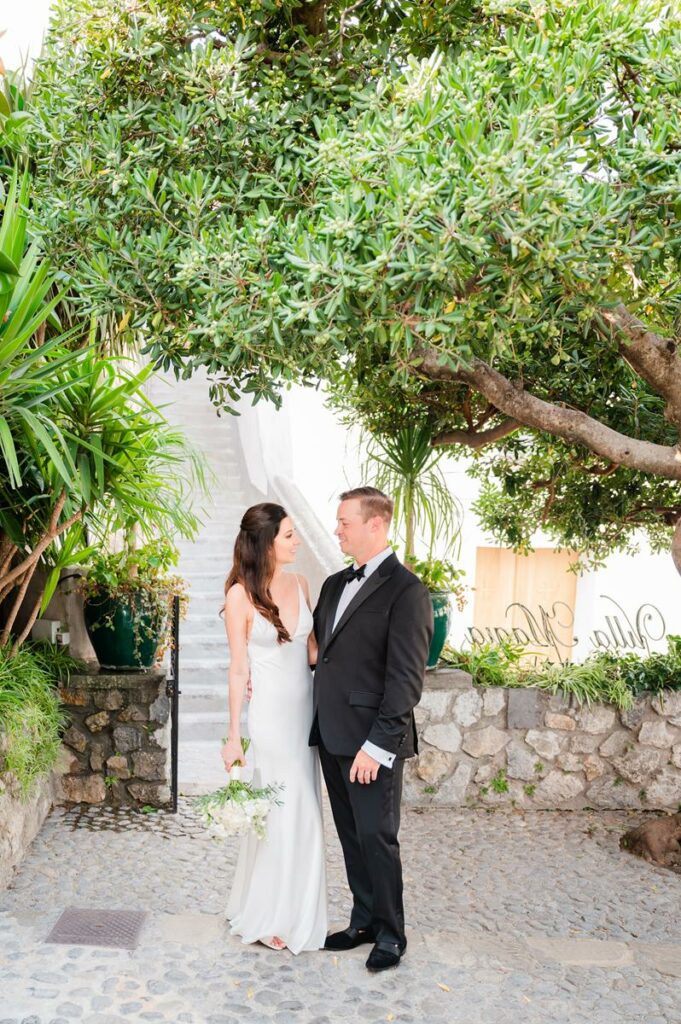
(370, 669)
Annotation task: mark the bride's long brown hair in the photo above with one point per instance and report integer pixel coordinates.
(254, 561)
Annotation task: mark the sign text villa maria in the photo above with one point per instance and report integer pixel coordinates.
(550, 631)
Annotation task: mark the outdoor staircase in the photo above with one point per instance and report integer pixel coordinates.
(205, 563)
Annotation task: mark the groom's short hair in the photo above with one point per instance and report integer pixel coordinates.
(372, 502)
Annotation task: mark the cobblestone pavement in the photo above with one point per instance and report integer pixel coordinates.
(535, 918)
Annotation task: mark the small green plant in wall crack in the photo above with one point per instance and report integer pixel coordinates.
(500, 783)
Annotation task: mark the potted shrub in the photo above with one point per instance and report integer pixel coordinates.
(127, 604)
(406, 465)
(443, 582)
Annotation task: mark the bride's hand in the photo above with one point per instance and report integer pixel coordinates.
(232, 752)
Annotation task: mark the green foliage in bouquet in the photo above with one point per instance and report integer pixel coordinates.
(239, 807)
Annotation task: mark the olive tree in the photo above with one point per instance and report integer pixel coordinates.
(477, 212)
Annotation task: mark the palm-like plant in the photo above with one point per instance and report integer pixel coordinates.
(119, 464)
(27, 362)
(84, 450)
(405, 465)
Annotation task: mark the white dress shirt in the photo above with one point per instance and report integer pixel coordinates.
(350, 589)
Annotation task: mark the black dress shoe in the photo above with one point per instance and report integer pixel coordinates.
(348, 939)
(385, 955)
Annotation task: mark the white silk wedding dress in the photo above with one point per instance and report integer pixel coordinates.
(280, 882)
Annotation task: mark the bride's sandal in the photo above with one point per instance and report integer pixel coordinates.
(274, 943)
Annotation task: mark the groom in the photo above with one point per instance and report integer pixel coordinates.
(373, 624)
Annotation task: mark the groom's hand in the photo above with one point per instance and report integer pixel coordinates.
(364, 768)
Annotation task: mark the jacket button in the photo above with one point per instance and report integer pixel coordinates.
(325, 660)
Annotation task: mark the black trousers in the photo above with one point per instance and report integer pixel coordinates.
(367, 819)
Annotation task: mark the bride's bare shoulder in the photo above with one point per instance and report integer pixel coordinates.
(305, 585)
(236, 599)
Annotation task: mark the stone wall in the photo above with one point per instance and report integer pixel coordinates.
(118, 743)
(21, 819)
(523, 747)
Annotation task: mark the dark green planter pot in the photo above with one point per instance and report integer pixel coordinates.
(442, 614)
(123, 633)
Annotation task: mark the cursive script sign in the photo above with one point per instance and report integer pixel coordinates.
(550, 631)
(625, 632)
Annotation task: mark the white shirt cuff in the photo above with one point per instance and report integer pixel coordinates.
(378, 754)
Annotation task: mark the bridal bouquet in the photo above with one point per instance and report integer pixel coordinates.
(238, 808)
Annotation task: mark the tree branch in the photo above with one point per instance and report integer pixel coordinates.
(653, 357)
(344, 17)
(18, 600)
(29, 625)
(53, 532)
(478, 438)
(7, 552)
(570, 424)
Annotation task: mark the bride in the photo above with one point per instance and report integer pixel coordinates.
(279, 892)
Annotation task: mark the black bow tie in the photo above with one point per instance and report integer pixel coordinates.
(354, 574)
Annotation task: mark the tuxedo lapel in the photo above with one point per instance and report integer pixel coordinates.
(330, 606)
(376, 580)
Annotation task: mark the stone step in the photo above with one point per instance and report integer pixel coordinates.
(192, 678)
(203, 606)
(225, 501)
(220, 533)
(203, 619)
(218, 537)
(207, 725)
(203, 623)
(203, 678)
(209, 578)
(200, 769)
(198, 591)
(203, 725)
(206, 602)
(193, 633)
(201, 647)
(194, 699)
(213, 597)
(194, 672)
(189, 569)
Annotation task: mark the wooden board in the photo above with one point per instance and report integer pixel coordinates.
(526, 596)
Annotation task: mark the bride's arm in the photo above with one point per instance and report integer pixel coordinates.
(312, 650)
(237, 616)
(311, 640)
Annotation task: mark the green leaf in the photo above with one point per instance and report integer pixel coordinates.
(9, 453)
(7, 265)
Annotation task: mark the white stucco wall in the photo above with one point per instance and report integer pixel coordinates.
(23, 22)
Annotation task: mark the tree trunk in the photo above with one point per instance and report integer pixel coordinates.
(676, 546)
(312, 16)
(410, 525)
